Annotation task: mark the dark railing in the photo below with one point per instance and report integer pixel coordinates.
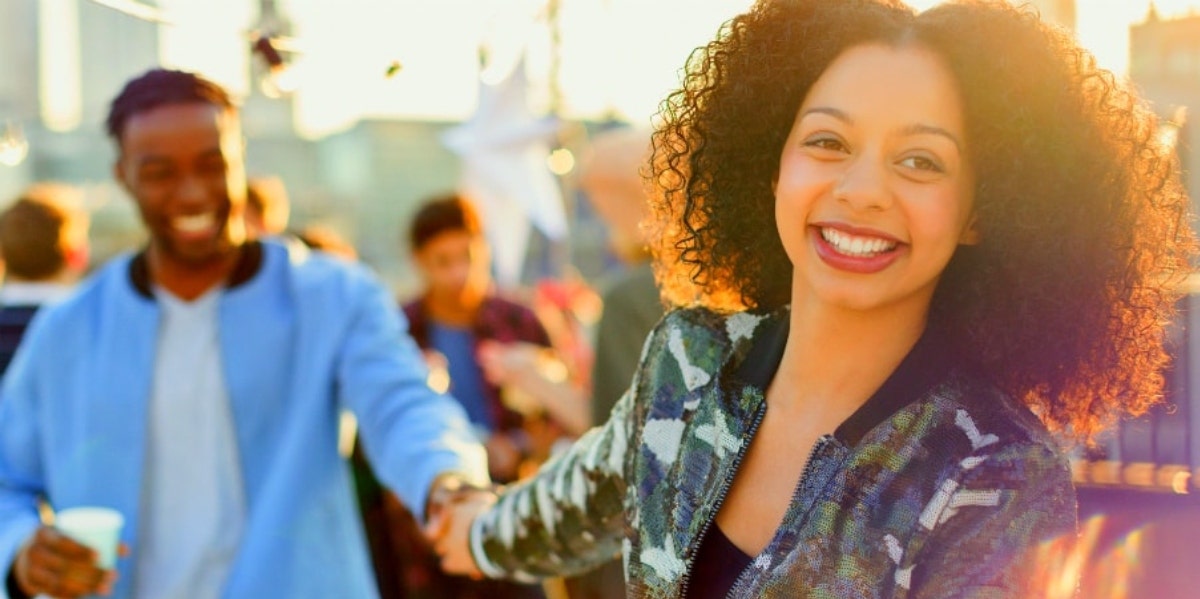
(1160, 451)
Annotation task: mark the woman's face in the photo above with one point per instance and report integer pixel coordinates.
(874, 191)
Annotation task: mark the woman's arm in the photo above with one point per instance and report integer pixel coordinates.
(566, 519)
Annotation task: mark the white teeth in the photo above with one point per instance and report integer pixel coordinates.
(853, 245)
(194, 223)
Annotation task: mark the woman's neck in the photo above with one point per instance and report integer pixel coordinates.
(836, 358)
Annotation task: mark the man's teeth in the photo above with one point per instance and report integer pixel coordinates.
(194, 223)
(852, 245)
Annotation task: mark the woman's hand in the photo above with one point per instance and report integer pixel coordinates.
(449, 527)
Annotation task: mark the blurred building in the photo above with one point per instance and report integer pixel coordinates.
(273, 147)
(64, 60)
(18, 46)
(1059, 12)
(268, 110)
(380, 170)
(1164, 63)
(113, 47)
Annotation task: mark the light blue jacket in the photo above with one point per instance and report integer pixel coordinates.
(302, 338)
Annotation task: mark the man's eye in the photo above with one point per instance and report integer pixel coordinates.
(213, 168)
(155, 175)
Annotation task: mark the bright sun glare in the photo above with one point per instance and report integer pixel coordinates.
(617, 56)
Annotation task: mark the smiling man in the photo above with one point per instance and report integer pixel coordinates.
(195, 387)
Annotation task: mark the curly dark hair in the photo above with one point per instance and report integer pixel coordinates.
(1084, 222)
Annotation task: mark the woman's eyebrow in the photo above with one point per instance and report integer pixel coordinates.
(922, 129)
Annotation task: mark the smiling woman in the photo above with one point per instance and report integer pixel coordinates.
(909, 247)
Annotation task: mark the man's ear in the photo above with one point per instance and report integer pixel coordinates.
(971, 234)
(119, 174)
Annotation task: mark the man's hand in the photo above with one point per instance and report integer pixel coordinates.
(53, 564)
(448, 530)
(504, 457)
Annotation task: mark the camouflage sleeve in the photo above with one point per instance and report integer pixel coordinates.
(1002, 529)
(567, 518)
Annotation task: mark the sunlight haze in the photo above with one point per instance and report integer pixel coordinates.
(618, 57)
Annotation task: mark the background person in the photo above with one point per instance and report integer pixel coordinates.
(44, 249)
(195, 387)
(268, 207)
(457, 311)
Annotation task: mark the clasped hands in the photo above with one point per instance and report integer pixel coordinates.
(453, 505)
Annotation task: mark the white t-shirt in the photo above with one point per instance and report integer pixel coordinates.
(193, 503)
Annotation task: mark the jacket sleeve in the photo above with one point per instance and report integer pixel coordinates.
(410, 433)
(1003, 529)
(21, 475)
(570, 516)
(567, 518)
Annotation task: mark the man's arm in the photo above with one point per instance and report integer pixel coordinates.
(411, 434)
(21, 480)
(37, 559)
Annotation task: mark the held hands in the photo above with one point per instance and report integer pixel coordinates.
(450, 514)
(53, 564)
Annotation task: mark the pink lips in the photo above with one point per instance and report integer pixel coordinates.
(856, 264)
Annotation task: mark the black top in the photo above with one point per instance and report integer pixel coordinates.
(718, 565)
(13, 322)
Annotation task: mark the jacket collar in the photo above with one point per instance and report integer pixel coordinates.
(248, 265)
(926, 365)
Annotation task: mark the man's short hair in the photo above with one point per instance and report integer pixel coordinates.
(162, 87)
(450, 212)
(40, 230)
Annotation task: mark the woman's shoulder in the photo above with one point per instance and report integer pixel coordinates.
(981, 420)
(728, 327)
(698, 339)
(714, 330)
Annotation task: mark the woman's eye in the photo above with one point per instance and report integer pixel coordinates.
(826, 143)
(922, 163)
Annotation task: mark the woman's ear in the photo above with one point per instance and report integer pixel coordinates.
(970, 233)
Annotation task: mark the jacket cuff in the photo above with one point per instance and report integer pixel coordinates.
(486, 566)
(12, 588)
(475, 540)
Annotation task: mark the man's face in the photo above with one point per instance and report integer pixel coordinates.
(183, 165)
(454, 265)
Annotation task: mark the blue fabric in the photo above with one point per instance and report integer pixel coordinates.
(305, 337)
(466, 377)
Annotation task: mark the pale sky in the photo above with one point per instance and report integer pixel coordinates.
(621, 56)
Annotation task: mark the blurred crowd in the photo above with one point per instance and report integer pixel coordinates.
(532, 367)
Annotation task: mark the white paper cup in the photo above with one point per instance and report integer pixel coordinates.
(96, 527)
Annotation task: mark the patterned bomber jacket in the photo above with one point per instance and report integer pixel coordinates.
(938, 486)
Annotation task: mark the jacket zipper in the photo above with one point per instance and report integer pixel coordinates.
(805, 474)
(721, 493)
